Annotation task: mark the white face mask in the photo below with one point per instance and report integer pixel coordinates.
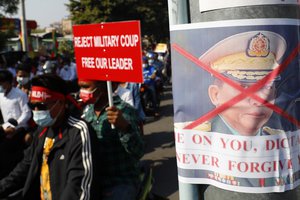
(150, 61)
(43, 118)
(23, 80)
(145, 65)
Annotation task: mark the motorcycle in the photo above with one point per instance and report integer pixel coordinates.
(146, 96)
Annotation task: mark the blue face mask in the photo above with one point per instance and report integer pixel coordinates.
(43, 118)
(2, 90)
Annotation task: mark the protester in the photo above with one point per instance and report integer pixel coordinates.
(149, 75)
(124, 93)
(41, 63)
(58, 164)
(15, 114)
(134, 88)
(121, 147)
(23, 76)
(68, 70)
(50, 67)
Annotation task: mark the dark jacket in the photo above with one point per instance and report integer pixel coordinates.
(70, 164)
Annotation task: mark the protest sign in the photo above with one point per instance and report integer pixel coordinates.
(109, 51)
(236, 110)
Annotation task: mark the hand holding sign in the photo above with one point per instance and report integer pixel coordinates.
(115, 117)
(109, 51)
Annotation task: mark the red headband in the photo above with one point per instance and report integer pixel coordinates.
(43, 94)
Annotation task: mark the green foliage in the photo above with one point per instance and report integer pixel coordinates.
(66, 48)
(38, 30)
(153, 14)
(7, 7)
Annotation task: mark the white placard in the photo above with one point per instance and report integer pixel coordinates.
(206, 5)
(236, 161)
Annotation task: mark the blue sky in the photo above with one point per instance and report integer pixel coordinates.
(45, 12)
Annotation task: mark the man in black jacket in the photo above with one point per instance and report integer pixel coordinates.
(58, 164)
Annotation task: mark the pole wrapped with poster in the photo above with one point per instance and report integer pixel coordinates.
(236, 101)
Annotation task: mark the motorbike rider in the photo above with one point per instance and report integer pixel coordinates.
(58, 163)
(149, 74)
(156, 63)
(50, 67)
(23, 76)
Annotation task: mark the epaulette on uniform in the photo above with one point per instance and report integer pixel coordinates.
(272, 131)
(206, 126)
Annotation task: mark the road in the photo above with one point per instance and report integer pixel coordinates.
(160, 149)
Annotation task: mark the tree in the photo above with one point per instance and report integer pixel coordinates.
(57, 26)
(7, 7)
(153, 14)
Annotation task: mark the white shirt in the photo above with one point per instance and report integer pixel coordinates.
(15, 106)
(68, 72)
(125, 95)
(39, 70)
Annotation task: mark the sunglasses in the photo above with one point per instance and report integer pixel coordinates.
(39, 105)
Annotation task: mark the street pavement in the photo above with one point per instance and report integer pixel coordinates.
(160, 149)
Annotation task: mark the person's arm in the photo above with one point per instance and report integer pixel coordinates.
(80, 170)
(128, 98)
(25, 112)
(16, 179)
(136, 95)
(74, 72)
(153, 73)
(130, 135)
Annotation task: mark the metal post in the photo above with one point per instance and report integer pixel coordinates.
(23, 27)
(178, 14)
(110, 97)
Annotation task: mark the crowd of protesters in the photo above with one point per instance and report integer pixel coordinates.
(60, 139)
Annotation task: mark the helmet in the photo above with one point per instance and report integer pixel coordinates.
(49, 67)
(152, 55)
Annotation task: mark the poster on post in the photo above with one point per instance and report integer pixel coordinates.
(237, 104)
(206, 5)
(109, 51)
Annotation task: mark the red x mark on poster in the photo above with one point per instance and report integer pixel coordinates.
(248, 92)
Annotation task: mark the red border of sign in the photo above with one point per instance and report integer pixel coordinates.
(109, 53)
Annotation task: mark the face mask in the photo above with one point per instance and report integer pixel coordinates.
(88, 97)
(150, 61)
(145, 65)
(43, 118)
(23, 80)
(2, 90)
